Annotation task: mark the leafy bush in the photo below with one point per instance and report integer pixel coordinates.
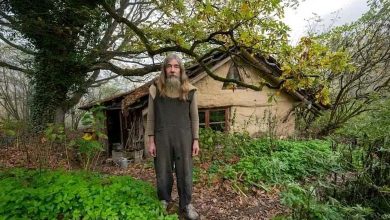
(362, 192)
(304, 204)
(287, 161)
(218, 149)
(368, 156)
(252, 161)
(217, 145)
(77, 195)
(11, 131)
(90, 145)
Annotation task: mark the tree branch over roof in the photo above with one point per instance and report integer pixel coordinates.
(190, 52)
(239, 83)
(127, 72)
(148, 48)
(176, 48)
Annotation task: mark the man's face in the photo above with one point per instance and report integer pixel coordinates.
(173, 68)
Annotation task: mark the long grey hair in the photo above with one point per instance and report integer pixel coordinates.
(184, 81)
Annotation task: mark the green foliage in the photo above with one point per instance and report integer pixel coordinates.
(55, 132)
(307, 66)
(256, 161)
(13, 127)
(305, 171)
(304, 204)
(254, 24)
(218, 149)
(370, 134)
(353, 91)
(11, 131)
(61, 33)
(361, 190)
(95, 119)
(89, 146)
(286, 161)
(371, 126)
(9, 127)
(368, 155)
(28, 194)
(221, 146)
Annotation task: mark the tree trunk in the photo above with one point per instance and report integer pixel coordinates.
(59, 115)
(47, 103)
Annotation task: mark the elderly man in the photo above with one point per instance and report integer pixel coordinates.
(173, 130)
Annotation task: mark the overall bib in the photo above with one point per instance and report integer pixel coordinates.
(173, 138)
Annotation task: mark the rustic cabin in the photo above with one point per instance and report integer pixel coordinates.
(222, 106)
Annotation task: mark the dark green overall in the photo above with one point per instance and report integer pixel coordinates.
(173, 138)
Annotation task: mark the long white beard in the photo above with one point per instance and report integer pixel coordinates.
(172, 85)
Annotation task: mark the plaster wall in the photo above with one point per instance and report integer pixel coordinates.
(249, 110)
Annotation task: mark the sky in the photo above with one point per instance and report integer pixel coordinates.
(345, 11)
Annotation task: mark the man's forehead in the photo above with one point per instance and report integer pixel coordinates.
(173, 61)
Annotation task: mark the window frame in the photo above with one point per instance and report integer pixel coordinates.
(207, 111)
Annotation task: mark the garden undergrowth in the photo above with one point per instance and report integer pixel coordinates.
(35, 194)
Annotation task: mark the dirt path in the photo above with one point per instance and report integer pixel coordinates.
(215, 201)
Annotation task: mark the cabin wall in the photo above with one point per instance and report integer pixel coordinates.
(249, 109)
(134, 130)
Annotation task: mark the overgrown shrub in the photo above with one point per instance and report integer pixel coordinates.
(29, 194)
(216, 145)
(90, 146)
(306, 204)
(360, 189)
(12, 131)
(286, 161)
(367, 155)
(317, 177)
(217, 150)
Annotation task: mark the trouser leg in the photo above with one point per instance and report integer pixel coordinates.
(183, 168)
(163, 167)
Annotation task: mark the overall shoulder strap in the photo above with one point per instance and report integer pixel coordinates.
(191, 94)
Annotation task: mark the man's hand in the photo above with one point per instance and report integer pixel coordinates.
(195, 148)
(152, 146)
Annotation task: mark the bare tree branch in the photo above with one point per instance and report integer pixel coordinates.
(72, 101)
(127, 72)
(101, 81)
(131, 25)
(7, 17)
(12, 67)
(6, 24)
(23, 49)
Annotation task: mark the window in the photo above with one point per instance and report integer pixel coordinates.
(202, 119)
(216, 119)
